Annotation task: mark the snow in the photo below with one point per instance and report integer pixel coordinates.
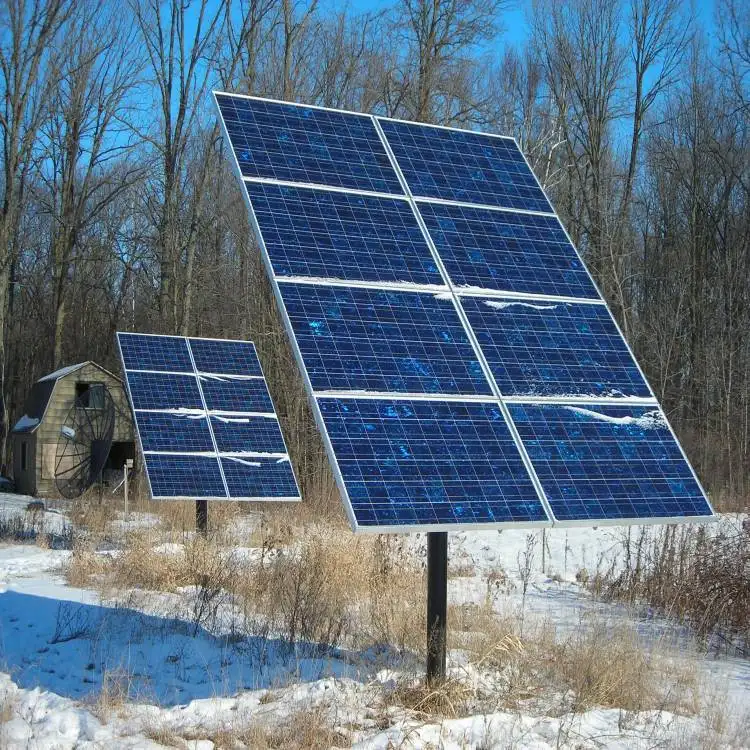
(651, 420)
(60, 646)
(57, 374)
(386, 285)
(25, 423)
(502, 305)
(220, 414)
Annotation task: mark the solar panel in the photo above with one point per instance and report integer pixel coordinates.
(320, 233)
(379, 340)
(458, 165)
(554, 349)
(425, 463)
(506, 251)
(212, 432)
(448, 331)
(307, 145)
(608, 462)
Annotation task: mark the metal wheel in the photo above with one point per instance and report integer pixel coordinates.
(84, 444)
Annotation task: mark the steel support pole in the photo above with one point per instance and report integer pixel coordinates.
(437, 603)
(201, 517)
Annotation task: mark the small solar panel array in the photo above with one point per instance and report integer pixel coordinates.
(207, 427)
(464, 369)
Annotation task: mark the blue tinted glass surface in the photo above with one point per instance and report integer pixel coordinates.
(154, 390)
(142, 352)
(179, 433)
(608, 462)
(184, 476)
(506, 251)
(230, 394)
(258, 434)
(554, 349)
(355, 339)
(411, 463)
(303, 144)
(341, 235)
(459, 165)
(259, 478)
(225, 357)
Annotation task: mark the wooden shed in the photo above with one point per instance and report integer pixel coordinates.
(36, 434)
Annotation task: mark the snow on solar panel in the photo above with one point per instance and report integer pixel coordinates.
(205, 420)
(447, 347)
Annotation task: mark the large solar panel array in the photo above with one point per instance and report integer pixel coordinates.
(205, 420)
(463, 367)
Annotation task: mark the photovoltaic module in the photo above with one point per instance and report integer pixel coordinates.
(463, 367)
(205, 421)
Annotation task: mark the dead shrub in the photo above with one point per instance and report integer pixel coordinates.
(332, 587)
(604, 666)
(698, 575)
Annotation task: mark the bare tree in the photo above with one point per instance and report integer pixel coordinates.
(440, 35)
(178, 38)
(29, 67)
(84, 141)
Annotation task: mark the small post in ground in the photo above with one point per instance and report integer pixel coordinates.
(201, 517)
(437, 604)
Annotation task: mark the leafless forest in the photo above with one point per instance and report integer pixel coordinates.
(119, 209)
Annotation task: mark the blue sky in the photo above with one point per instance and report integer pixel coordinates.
(515, 28)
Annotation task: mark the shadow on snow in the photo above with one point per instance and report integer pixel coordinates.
(75, 650)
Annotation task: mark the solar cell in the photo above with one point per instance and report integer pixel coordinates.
(459, 165)
(267, 478)
(247, 433)
(506, 251)
(146, 352)
(320, 233)
(306, 144)
(184, 445)
(225, 357)
(427, 463)
(608, 462)
(554, 349)
(235, 394)
(381, 340)
(181, 476)
(157, 390)
(177, 433)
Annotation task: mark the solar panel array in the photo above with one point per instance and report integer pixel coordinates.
(463, 367)
(205, 420)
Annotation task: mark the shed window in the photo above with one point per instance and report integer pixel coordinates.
(90, 395)
(24, 455)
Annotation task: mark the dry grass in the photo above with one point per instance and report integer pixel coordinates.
(332, 587)
(302, 730)
(112, 696)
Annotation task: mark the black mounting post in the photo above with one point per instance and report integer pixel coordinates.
(437, 603)
(201, 517)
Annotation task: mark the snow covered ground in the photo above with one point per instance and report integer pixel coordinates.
(77, 671)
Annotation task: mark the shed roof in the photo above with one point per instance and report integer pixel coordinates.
(40, 394)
